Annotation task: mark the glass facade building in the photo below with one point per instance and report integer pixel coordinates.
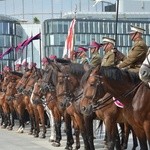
(86, 30)
(10, 35)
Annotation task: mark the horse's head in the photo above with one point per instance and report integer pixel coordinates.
(47, 84)
(11, 91)
(8, 78)
(23, 81)
(36, 93)
(31, 81)
(92, 91)
(65, 89)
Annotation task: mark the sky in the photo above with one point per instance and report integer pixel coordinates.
(42, 9)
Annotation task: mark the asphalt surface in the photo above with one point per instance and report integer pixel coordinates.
(11, 140)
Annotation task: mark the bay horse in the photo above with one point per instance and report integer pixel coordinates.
(7, 105)
(68, 88)
(25, 99)
(105, 109)
(37, 106)
(46, 88)
(127, 87)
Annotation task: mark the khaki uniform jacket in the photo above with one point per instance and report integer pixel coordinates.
(84, 61)
(136, 55)
(108, 59)
(95, 60)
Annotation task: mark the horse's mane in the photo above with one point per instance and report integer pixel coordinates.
(85, 76)
(63, 61)
(115, 73)
(77, 69)
(17, 73)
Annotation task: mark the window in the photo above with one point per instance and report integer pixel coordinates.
(5, 28)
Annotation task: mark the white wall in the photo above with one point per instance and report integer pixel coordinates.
(134, 5)
(32, 29)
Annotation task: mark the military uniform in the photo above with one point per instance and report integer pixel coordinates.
(95, 60)
(135, 57)
(84, 60)
(108, 59)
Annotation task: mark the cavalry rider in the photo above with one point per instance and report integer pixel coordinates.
(81, 54)
(112, 56)
(25, 66)
(32, 66)
(137, 53)
(45, 63)
(52, 57)
(108, 47)
(96, 59)
(6, 70)
(18, 68)
(74, 57)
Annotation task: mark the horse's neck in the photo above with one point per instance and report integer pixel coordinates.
(120, 90)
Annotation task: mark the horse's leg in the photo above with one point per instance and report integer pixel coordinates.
(32, 119)
(70, 140)
(52, 125)
(135, 142)
(88, 121)
(111, 128)
(140, 133)
(77, 133)
(21, 111)
(147, 130)
(57, 121)
(36, 115)
(80, 121)
(40, 109)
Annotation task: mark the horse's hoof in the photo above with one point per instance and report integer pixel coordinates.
(3, 126)
(43, 137)
(51, 140)
(10, 128)
(55, 144)
(77, 147)
(36, 135)
(69, 147)
(30, 133)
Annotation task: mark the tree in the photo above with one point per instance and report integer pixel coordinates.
(36, 20)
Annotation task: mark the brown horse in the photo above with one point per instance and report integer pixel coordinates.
(46, 87)
(105, 109)
(38, 107)
(9, 81)
(20, 97)
(68, 88)
(127, 87)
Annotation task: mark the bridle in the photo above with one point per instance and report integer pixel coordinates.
(103, 102)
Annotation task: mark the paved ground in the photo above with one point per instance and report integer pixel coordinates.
(11, 140)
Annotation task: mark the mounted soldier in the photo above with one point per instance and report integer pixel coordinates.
(25, 66)
(81, 54)
(96, 59)
(112, 55)
(18, 68)
(137, 53)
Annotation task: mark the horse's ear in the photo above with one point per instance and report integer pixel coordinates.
(86, 67)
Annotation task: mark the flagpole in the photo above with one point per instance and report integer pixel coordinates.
(117, 12)
(32, 51)
(40, 53)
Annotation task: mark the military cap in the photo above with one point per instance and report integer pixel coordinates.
(18, 65)
(82, 49)
(108, 40)
(95, 45)
(25, 63)
(135, 29)
(52, 57)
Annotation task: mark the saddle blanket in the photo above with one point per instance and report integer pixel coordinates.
(118, 103)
